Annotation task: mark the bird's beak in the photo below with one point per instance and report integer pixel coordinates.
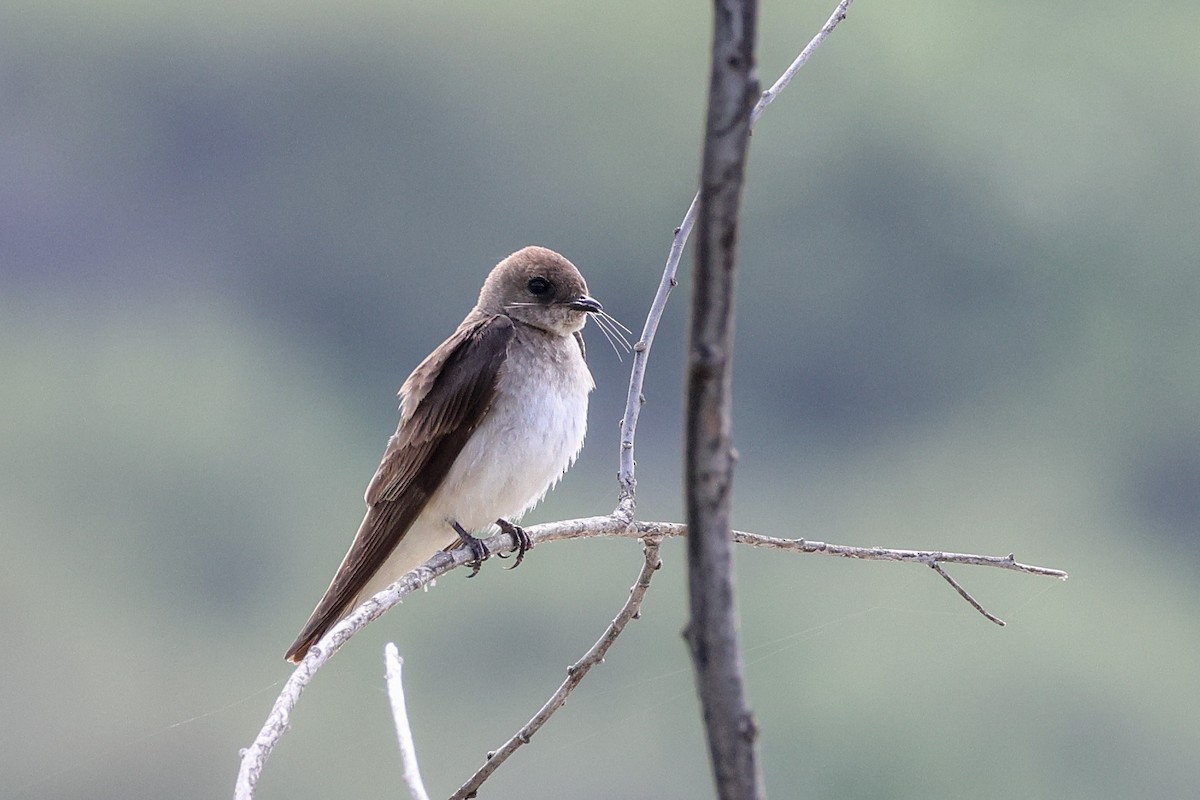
(585, 303)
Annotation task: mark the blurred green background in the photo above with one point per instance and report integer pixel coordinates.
(968, 292)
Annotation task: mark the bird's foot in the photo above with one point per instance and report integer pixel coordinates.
(524, 543)
(478, 549)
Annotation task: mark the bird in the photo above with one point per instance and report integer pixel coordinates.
(489, 422)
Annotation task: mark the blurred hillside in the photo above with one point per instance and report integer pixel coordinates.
(968, 320)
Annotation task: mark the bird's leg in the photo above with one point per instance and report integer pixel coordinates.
(519, 536)
(478, 548)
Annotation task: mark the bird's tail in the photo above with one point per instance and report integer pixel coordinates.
(369, 568)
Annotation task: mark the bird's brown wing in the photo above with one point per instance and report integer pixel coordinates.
(447, 397)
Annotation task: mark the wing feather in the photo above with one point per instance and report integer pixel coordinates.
(444, 401)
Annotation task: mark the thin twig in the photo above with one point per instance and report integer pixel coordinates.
(769, 95)
(631, 610)
(965, 594)
(408, 751)
(878, 553)
(635, 399)
(626, 476)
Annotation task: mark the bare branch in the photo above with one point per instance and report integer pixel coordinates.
(769, 95)
(635, 399)
(631, 610)
(626, 478)
(254, 757)
(408, 751)
(926, 557)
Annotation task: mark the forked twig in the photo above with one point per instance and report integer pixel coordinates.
(254, 757)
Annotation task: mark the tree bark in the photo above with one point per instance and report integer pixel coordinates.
(712, 631)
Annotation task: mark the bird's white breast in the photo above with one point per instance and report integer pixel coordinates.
(529, 437)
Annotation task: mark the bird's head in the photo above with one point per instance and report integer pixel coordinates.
(539, 287)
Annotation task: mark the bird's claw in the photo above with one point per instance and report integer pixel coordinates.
(478, 549)
(524, 543)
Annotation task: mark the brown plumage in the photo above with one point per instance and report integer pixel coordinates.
(512, 371)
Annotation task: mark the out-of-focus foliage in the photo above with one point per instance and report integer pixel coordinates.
(967, 320)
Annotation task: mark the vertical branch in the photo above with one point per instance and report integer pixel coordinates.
(626, 500)
(408, 751)
(712, 629)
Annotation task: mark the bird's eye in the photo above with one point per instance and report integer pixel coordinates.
(538, 285)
